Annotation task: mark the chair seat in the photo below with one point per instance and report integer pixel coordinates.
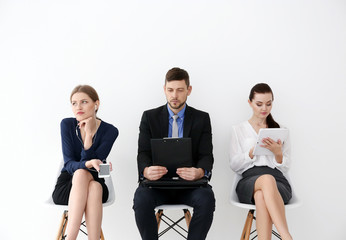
(109, 184)
(64, 220)
(293, 203)
(110, 200)
(172, 207)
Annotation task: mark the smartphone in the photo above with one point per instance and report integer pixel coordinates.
(104, 170)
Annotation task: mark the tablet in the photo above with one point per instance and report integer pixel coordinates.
(273, 133)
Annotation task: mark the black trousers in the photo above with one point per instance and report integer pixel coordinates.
(201, 199)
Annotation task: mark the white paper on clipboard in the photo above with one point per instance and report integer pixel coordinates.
(273, 133)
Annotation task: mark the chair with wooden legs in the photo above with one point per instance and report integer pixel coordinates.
(63, 223)
(247, 233)
(173, 224)
(61, 232)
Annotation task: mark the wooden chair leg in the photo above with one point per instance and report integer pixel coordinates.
(247, 226)
(158, 218)
(102, 237)
(63, 225)
(187, 215)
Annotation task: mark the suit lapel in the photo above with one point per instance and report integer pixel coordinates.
(187, 121)
(164, 121)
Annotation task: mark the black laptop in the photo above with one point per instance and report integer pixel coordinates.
(172, 153)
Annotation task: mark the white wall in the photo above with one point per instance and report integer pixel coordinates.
(124, 48)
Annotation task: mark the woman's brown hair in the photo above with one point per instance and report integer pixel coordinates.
(264, 88)
(88, 90)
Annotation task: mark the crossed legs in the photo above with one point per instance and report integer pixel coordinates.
(270, 209)
(85, 196)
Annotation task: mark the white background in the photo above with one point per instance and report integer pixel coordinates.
(124, 49)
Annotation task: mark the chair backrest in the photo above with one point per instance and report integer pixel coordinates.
(111, 196)
(50, 199)
(234, 197)
(293, 203)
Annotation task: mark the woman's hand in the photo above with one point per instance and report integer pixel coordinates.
(95, 163)
(251, 153)
(88, 126)
(274, 147)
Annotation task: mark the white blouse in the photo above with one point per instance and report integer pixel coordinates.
(243, 138)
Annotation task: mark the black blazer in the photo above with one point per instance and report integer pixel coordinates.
(154, 124)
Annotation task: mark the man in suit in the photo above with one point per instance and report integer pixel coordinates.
(194, 124)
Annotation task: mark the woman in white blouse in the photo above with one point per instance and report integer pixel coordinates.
(263, 182)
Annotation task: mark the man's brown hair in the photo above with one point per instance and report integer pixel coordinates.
(177, 74)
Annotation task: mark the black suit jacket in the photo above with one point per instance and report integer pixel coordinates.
(154, 124)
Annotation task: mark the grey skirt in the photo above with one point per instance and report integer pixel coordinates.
(245, 187)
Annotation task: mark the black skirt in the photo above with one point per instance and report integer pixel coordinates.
(245, 187)
(63, 187)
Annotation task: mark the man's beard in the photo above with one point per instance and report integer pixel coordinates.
(173, 107)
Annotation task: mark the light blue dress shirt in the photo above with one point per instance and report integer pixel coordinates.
(180, 121)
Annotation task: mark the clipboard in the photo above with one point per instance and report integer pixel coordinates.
(273, 133)
(172, 153)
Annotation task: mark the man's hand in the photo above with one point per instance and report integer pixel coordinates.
(154, 172)
(191, 173)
